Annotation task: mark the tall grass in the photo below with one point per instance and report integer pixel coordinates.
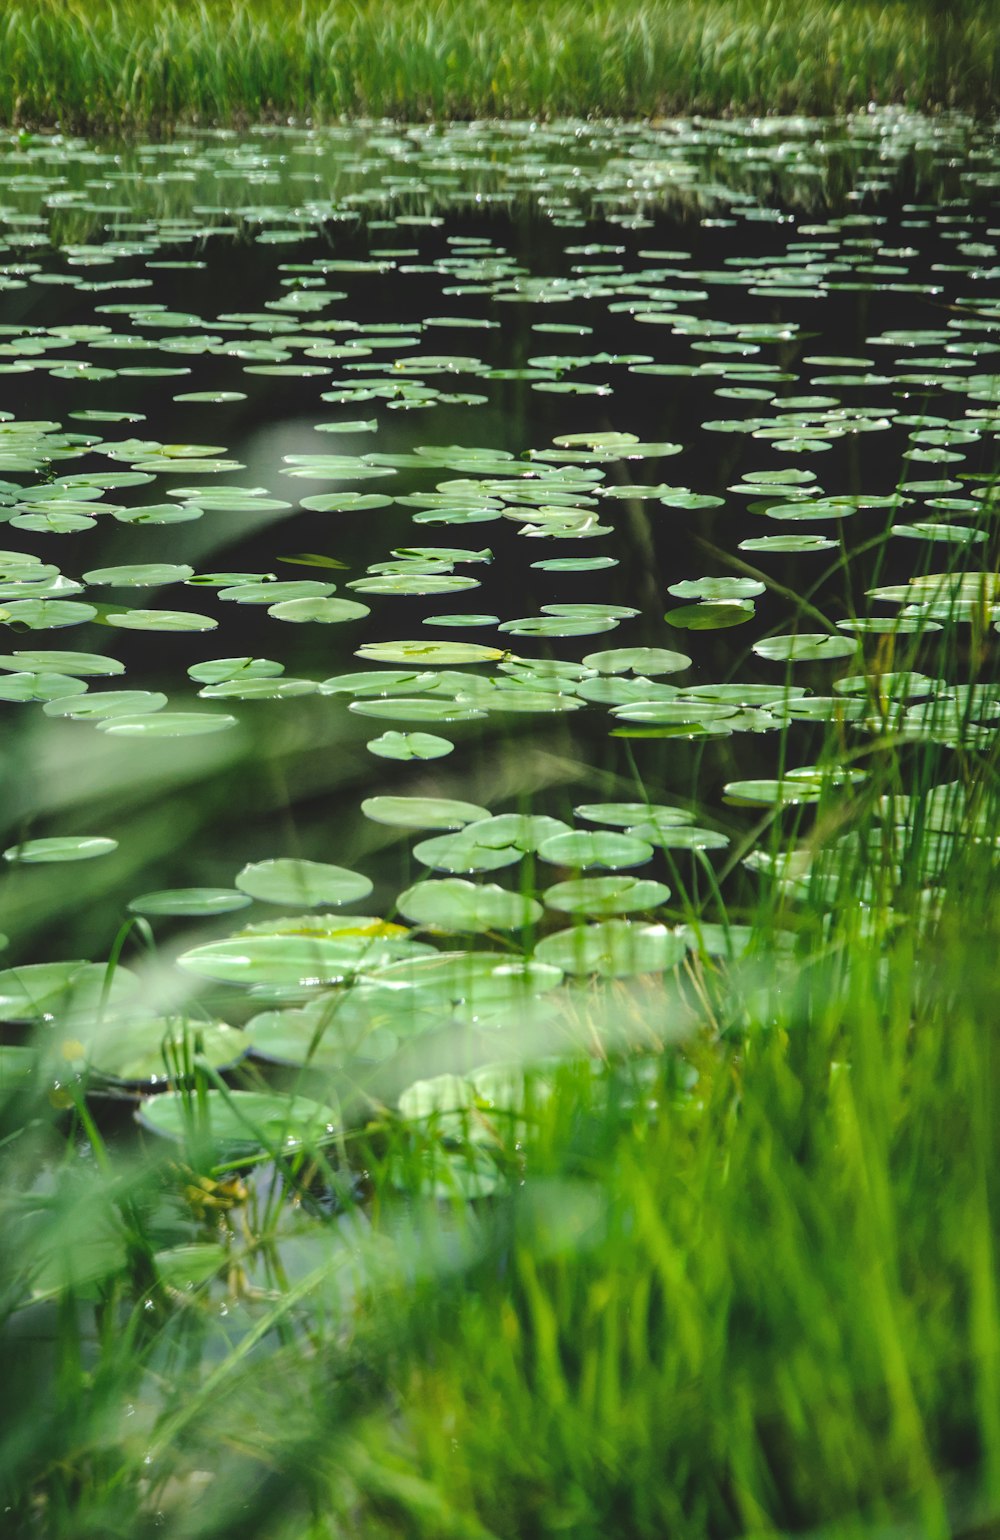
(135, 64)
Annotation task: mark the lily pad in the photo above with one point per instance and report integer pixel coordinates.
(422, 812)
(613, 949)
(805, 647)
(233, 1122)
(710, 616)
(141, 575)
(150, 1049)
(453, 904)
(287, 880)
(60, 848)
(161, 620)
(427, 654)
(638, 660)
(301, 960)
(595, 848)
(190, 901)
(396, 745)
(602, 896)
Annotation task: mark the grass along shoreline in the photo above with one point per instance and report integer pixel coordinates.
(136, 65)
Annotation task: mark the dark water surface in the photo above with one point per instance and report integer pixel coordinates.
(798, 324)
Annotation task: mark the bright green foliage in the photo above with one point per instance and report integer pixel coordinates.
(130, 63)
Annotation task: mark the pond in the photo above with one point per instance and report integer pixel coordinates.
(447, 568)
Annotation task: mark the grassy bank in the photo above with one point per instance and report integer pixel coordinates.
(133, 64)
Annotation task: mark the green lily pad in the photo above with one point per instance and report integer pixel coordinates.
(98, 704)
(274, 592)
(45, 614)
(161, 620)
(559, 625)
(638, 660)
(40, 687)
(717, 588)
(290, 959)
(710, 616)
(453, 904)
(68, 993)
(395, 745)
(190, 901)
(224, 670)
(142, 575)
(234, 1122)
(418, 709)
(602, 896)
(427, 654)
(60, 848)
(151, 1049)
(624, 815)
(422, 812)
(167, 724)
(460, 853)
(82, 663)
(805, 647)
(613, 949)
(325, 611)
(595, 848)
(286, 880)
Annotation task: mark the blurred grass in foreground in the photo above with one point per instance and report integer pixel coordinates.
(744, 1284)
(132, 64)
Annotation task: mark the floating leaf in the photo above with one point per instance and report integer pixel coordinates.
(716, 588)
(453, 904)
(161, 620)
(413, 583)
(40, 687)
(190, 901)
(394, 745)
(418, 709)
(240, 1121)
(429, 654)
(586, 848)
(461, 620)
(98, 704)
(82, 663)
(287, 880)
(60, 848)
(557, 625)
(326, 611)
(143, 575)
(638, 660)
(462, 852)
(805, 647)
(710, 617)
(613, 949)
(150, 1049)
(422, 812)
(45, 614)
(258, 689)
(275, 592)
(606, 895)
(287, 959)
(224, 670)
(807, 784)
(167, 724)
(623, 815)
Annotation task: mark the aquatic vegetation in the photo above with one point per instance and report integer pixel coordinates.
(421, 1017)
(129, 63)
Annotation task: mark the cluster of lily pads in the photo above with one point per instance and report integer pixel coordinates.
(584, 903)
